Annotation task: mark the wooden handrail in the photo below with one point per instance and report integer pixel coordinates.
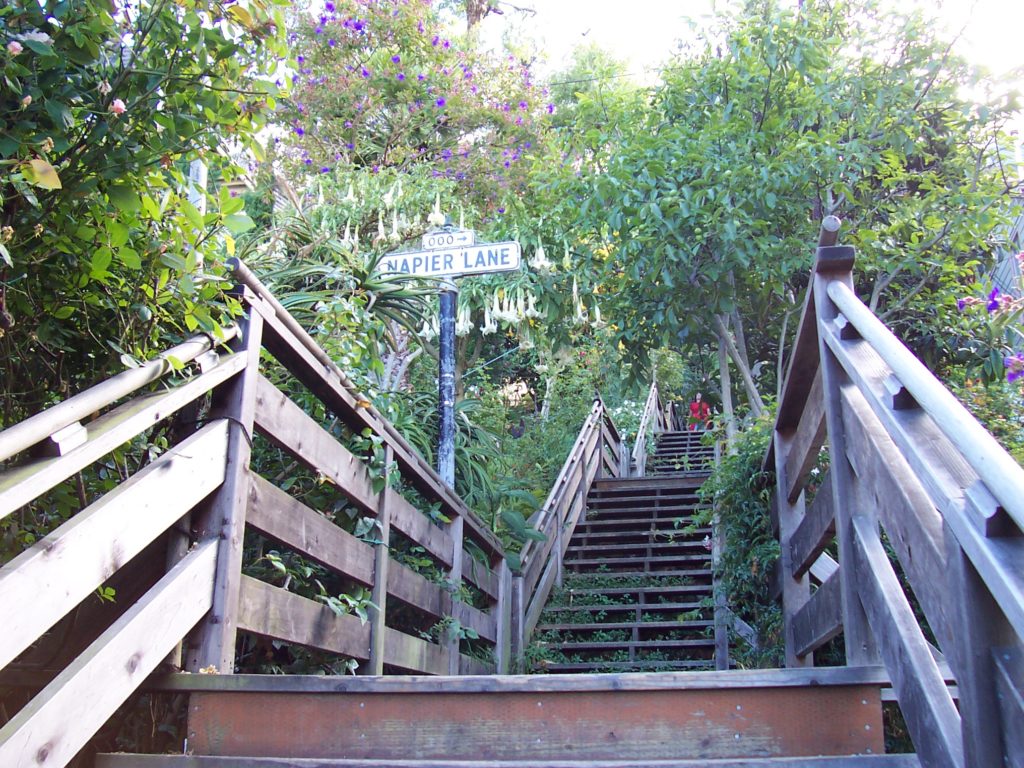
(541, 562)
(33, 430)
(907, 458)
(653, 413)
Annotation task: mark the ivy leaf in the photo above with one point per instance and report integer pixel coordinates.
(41, 173)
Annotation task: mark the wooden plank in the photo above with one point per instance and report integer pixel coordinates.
(927, 707)
(414, 654)
(289, 427)
(482, 623)
(503, 617)
(223, 517)
(815, 531)
(290, 522)
(416, 590)
(912, 523)
(20, 485)
(59, 721)
(125, 760)
(471, 666)
(807, 440)
(273, 612)
(482, 577)
(299, 353)
(802, 368)
(1000, 472)
(50, 578)
(820, 619)
(646, 726)
(25, 434)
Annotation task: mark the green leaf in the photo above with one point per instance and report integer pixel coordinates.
(41, 173)
(100, 261)
(237, 223)
(118, 233)
(63, 313)
(130, 258)
(124, 198)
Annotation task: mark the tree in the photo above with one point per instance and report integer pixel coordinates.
(101, 112)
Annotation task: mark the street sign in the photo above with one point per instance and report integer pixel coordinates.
(448, 262)
(454, 239)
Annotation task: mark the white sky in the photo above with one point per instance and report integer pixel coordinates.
(644, 32)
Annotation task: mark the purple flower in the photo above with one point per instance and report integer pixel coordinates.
(332, 42)
(421, 77)
(400, 76)
(501, 209)
(300, 59)
(435, 41)
(960, 304)
(397, 59)
(307, 161)
(446, 44)
(446, 155)
(348, 123)
(365, 72)
(299, 130)
(329, 6)
(1014, 365)
(325, 169)
(523, 105)
(319, 30)
(350, 145)
(441, 102)
(993, 300)
(551, 109)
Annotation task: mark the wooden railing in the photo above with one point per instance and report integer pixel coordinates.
(911, 471)
(655, 419)
(195, 502)
(598, 452)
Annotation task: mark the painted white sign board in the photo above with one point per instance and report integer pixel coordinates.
(460, 238)
(446, 262)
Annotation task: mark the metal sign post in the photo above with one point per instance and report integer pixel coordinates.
(446, 384)
(451, 253)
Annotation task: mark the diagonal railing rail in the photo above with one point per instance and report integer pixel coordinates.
(654, 420)
(913, 474)
(192, 507)
(598, 451)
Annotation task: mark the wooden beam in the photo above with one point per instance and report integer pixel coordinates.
(273, 612)
(223, 517)
(61, 719)
(911, 521)
(290, 522)
(54, 575)
(927, 707)
(415, 654)
(815, 531)
(802, 368)
(1009, 665)
(20, 485)
(455, 531)
(300, 354)
(806, 441)
(503, 615)
(820, 619)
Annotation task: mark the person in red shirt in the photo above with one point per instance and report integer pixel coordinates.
(700, 413)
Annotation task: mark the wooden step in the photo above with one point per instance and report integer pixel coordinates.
(705, 643)
(124, 760)
(658, 536)
(533, 720)
(643, 591)
(623, 607)
(638, 665)
(647, 576)
(643, 564)
(635, 484)
(651, 548)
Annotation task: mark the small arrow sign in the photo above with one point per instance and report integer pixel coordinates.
(447, 262)
(453, 239)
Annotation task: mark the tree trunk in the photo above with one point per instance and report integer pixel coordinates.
(725, 341)
(476, 10)
(727, 409)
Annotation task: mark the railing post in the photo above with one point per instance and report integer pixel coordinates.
(503, 614)
(835, 263)
(379, 595)
(213, 643)
(455, 530)
(518, 619)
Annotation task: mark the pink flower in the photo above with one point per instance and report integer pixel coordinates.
(117, 107)
(14, 48)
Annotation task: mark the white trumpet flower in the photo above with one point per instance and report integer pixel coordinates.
(540, 262)
(395, 235)
(381, 234)
(351, 196)
(531, 307)
(566, 261)
(489, 326)
(436, 218)
(463, 323)
(429, 330)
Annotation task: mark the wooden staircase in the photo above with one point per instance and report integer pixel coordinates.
(681, 453)
(636, 594)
